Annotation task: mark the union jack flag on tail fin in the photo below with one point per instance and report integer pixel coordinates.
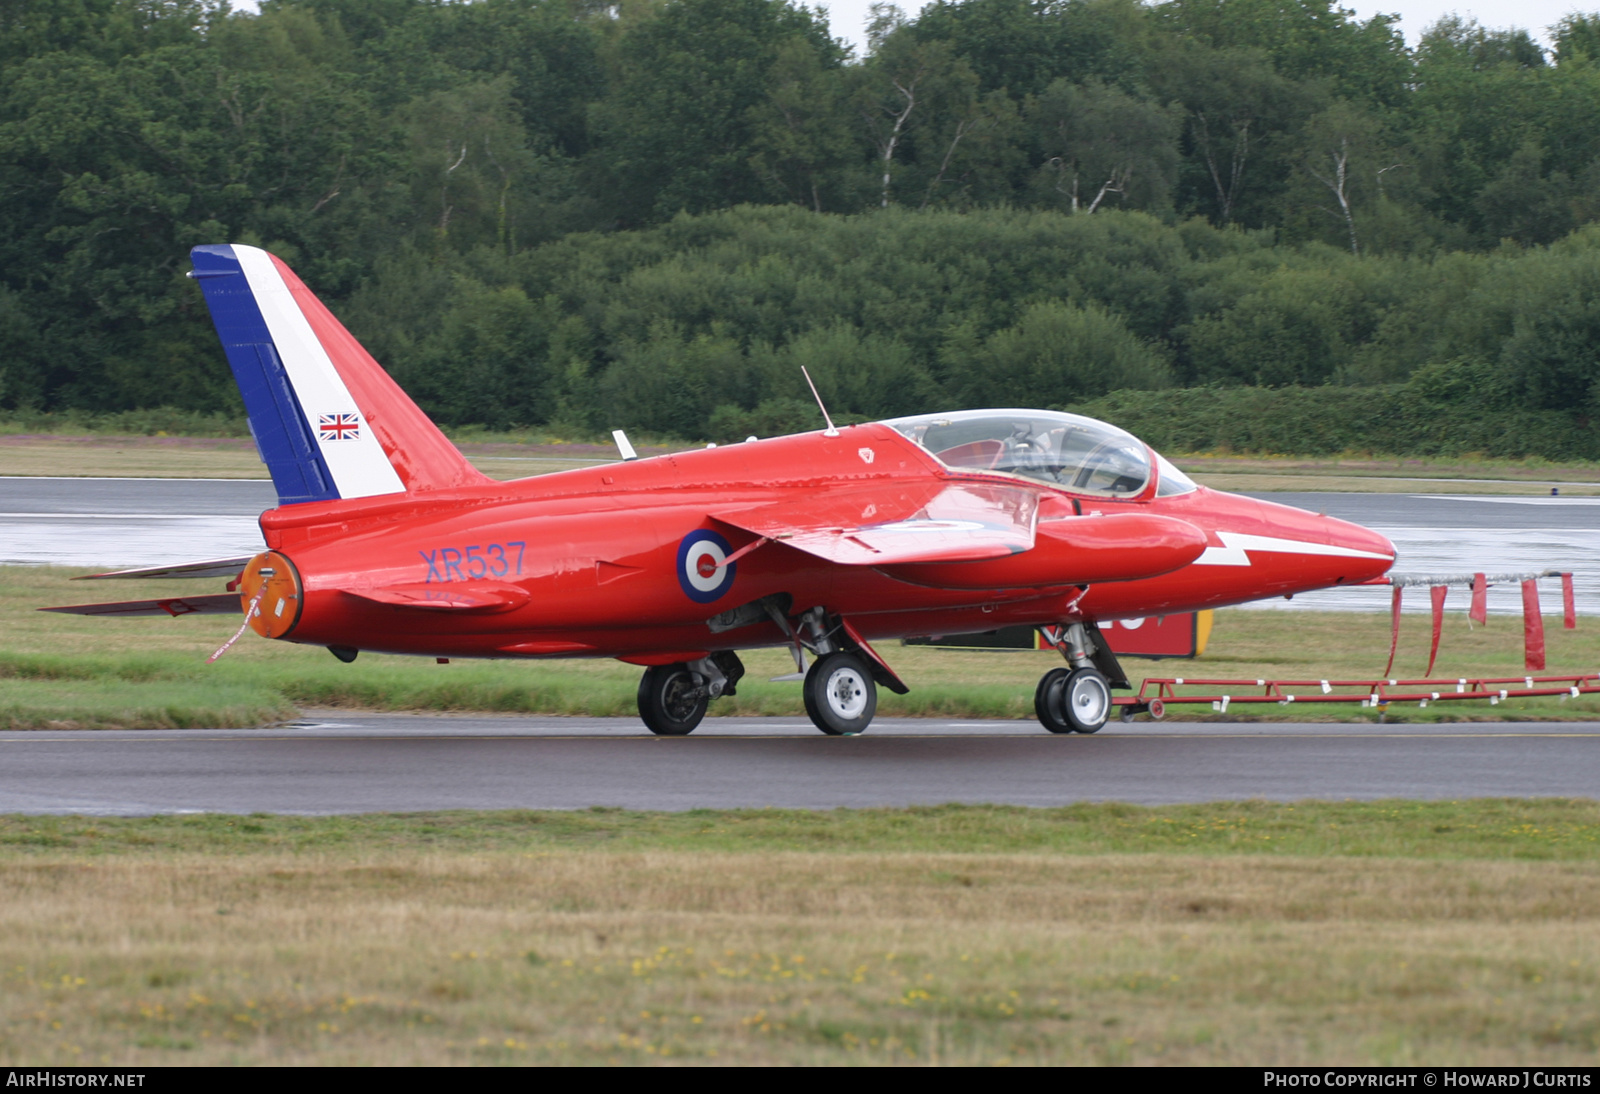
(339, 427)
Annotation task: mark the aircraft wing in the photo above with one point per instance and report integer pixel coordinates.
(884, 525)
(209, 604)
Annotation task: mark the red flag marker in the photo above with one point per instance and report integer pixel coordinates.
(1479, 612)
(1569, 611)
(1437, 593)
(1394, 640)
(1532, 626)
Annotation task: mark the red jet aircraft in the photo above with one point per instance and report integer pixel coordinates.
(386, 539)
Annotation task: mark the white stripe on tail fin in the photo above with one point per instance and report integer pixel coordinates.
(352, 454)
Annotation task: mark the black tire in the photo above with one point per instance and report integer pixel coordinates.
(672, 700)
(1086, 701)
(841, 696)
(1047, 700)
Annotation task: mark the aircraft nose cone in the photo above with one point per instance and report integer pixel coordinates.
(1371, 552)
(1353, 553)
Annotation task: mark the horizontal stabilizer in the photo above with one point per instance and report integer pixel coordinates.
(210, 604)
(217, 567)
(885, 525)
(464, 596)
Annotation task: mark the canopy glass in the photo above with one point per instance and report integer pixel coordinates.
(1064, 450)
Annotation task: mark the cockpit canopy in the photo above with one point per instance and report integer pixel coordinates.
(1067, 451)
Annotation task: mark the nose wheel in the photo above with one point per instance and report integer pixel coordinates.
(1073, 701)
(840, 695)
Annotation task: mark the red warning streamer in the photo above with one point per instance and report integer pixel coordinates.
(1479, 612)
(1436, 592)
(1569, 612)
(1394, 639)
(1532, 626)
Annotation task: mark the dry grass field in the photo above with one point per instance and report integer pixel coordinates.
(1383, 933)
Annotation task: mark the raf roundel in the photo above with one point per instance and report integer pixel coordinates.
(701, 572)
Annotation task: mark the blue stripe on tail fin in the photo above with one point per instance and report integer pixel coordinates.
(282, 434)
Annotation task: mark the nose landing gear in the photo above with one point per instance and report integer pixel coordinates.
(1073, 701)
(1078, 700)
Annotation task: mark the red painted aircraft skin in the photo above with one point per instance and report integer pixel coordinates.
(585, 562)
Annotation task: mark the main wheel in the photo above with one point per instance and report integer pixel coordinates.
(1047, 700)
(840, 694)
(1086, 701)
(672, 700)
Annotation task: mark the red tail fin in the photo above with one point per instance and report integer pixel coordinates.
(422, 456)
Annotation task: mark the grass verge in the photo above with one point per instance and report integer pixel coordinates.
(60, 671)
(1382, 933)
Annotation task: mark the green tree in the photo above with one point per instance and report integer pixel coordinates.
(1305, 40)
(473, 180)
(918, 101)
(1022, 46)
(801, 134)
(1106, 144)
(676, 128)
(1059, 353)
(1577, 37)
(1241, 117)
(1345, 157)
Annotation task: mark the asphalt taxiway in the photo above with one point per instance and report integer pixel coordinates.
(347, 763)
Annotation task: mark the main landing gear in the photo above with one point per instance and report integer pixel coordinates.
(673, 698)
(1078, 699)
(841, 696)
(840, 688)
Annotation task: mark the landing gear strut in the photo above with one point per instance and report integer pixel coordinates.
(673, 698)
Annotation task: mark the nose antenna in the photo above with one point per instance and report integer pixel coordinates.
(831, 431)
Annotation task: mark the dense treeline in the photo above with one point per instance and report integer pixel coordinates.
(649, 215)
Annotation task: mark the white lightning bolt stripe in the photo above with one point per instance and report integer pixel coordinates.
(1235, 544)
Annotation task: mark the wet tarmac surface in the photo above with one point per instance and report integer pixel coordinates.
(129, 522)
(346, 763)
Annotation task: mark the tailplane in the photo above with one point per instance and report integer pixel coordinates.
(328, 421)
